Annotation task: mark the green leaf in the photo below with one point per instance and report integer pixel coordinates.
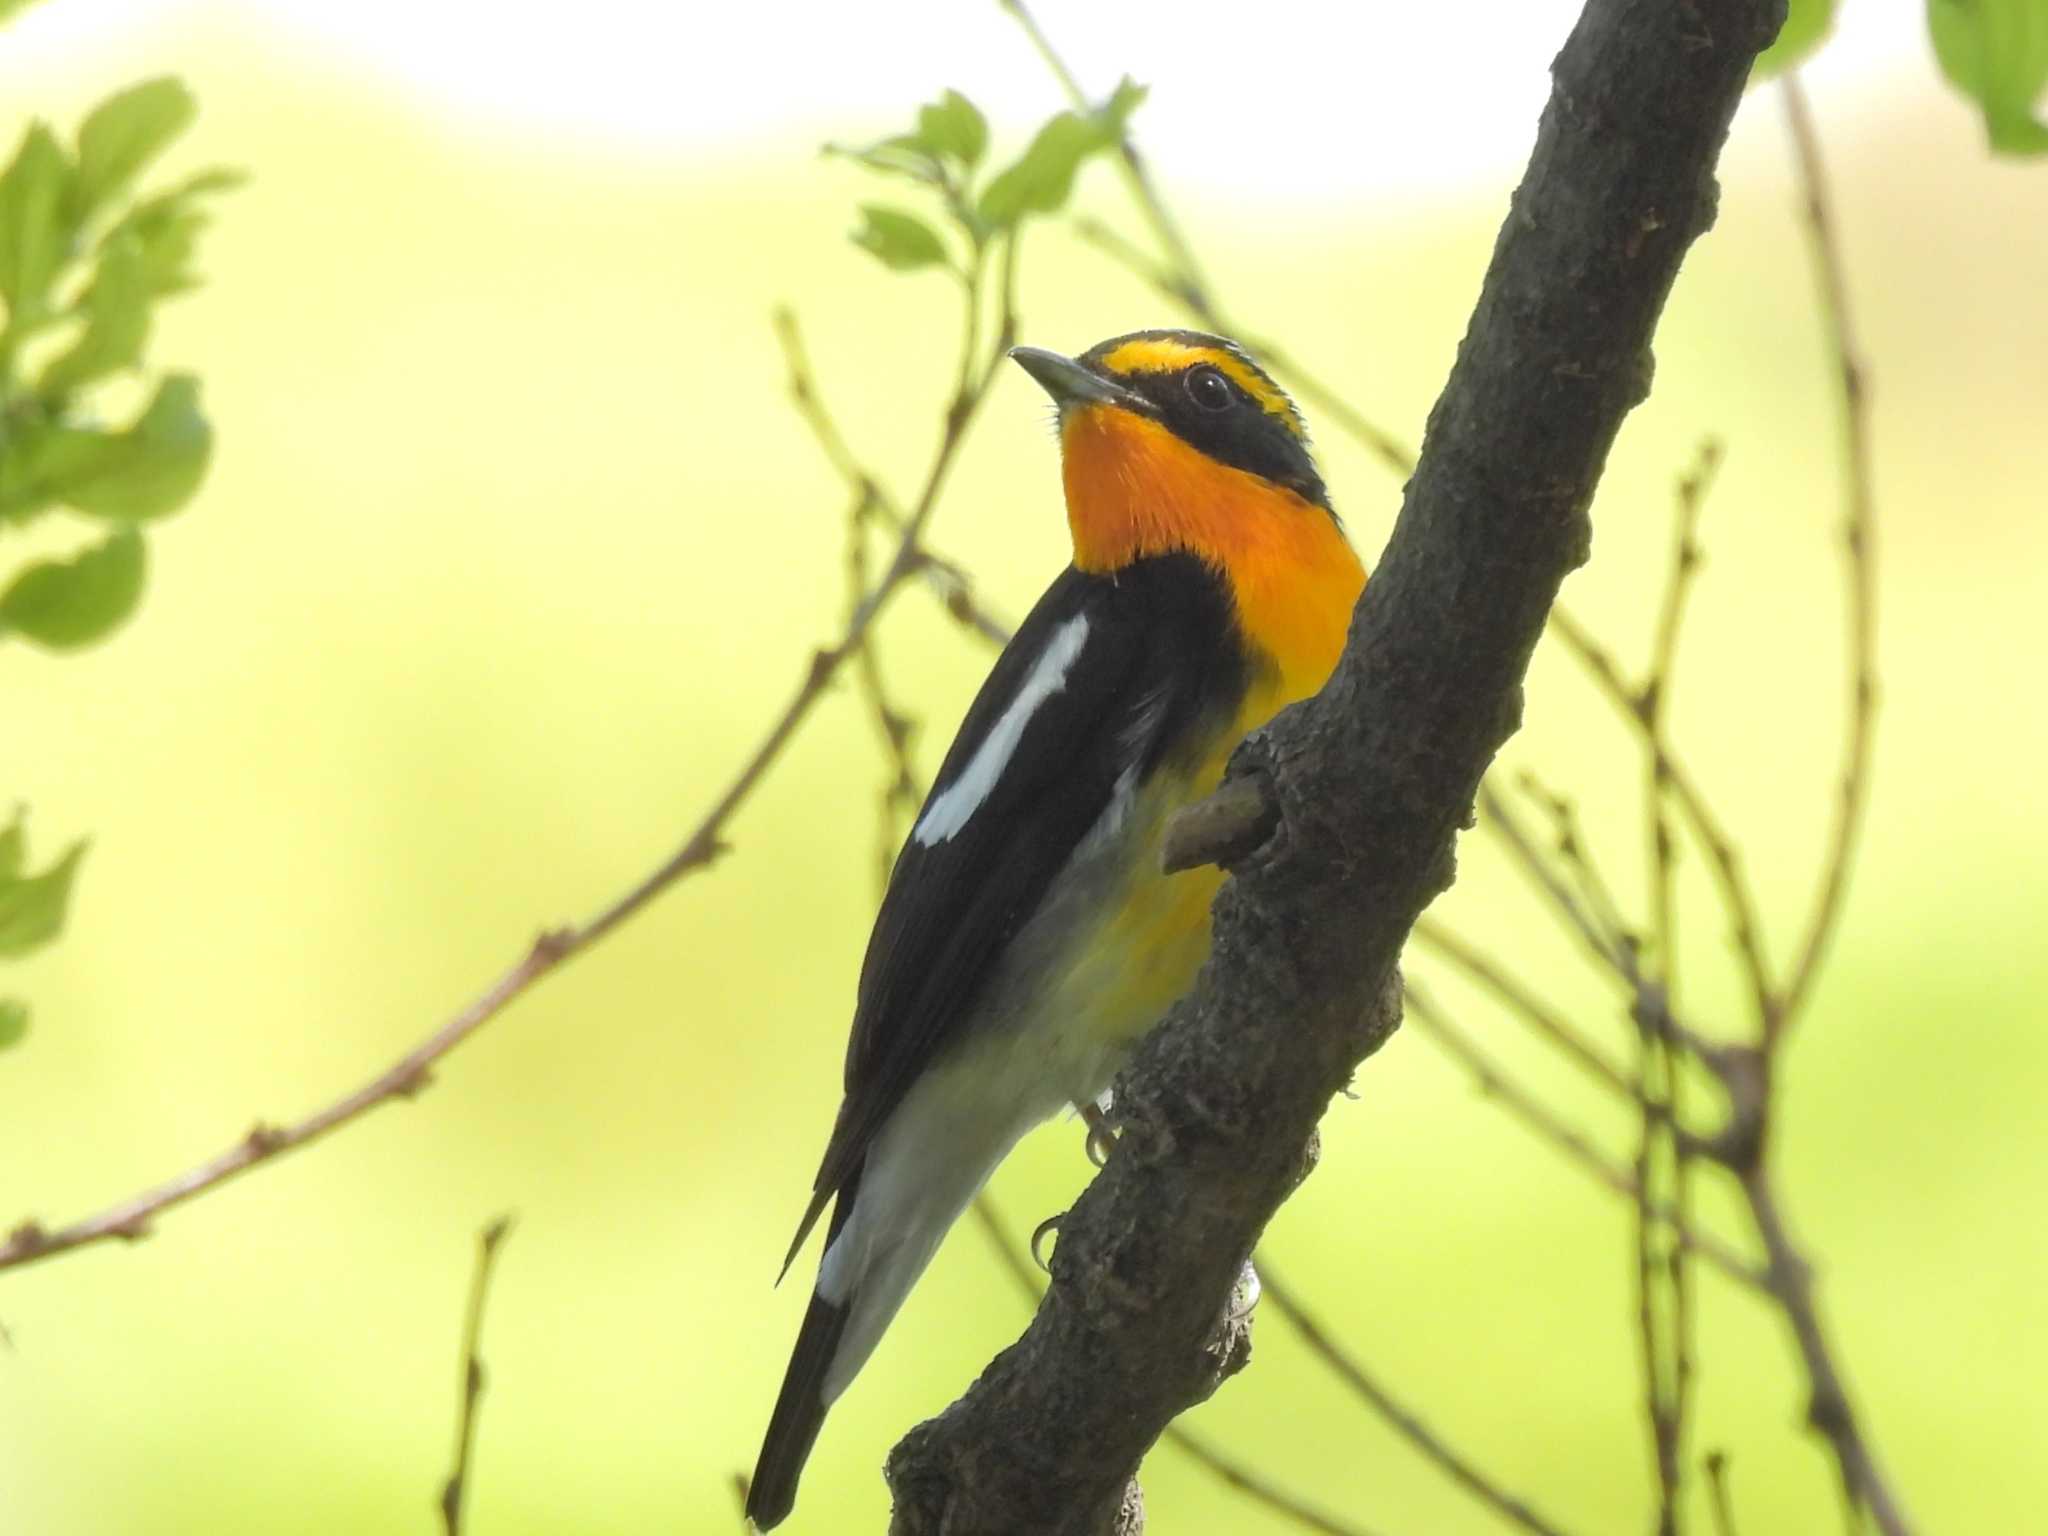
(13, 847)
(40, 457)
(1996, 53)
(953, 127)
(13, 1021)
(32, 907)
(1043, 177)
(35, 231)
(149, 470)
(900, 241)
(116, 309)
(64, 604)
(1807, 25)
(167, 228)
(124, 133)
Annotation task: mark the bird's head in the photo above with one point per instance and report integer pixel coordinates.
(1176, 441)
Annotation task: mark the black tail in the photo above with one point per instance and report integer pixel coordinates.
(799, 1413)
(800, 1408)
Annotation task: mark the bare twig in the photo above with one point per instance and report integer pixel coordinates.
(1512, 994)
(1722, 858)
(1666, 1350)
(1789, 1278)
(1750, 1075)
(456, 1489)
(1239, 1475)
(948, 580)
(901, 790)
(1493, 1081)
(1568, 839)
(1717, 1481)
(1394, 454)
(1282, 1299)
(131, 1219)
(1179, 278)
(1859, 554)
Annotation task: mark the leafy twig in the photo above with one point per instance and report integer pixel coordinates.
(1179, 278)
(1186, 279)
(456, 1489)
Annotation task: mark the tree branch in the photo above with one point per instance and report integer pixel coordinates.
(1372, 778)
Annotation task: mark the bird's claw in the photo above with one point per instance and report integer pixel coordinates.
(1039, 1234)
(1101, 1134)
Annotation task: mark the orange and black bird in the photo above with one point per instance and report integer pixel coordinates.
(1028, 937)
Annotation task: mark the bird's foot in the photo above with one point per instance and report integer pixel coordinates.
(1039, 1234)
(1101, 1133)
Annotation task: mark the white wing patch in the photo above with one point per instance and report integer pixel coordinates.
(950, 812)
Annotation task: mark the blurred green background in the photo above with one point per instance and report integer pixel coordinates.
(512, 547)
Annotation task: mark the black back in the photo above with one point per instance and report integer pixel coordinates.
(1161, 658)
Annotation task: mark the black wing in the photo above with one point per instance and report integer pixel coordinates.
(1158, 654)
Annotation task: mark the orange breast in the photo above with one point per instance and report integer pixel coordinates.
(1135, 489)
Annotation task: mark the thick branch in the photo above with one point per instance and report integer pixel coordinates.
(1373, 778)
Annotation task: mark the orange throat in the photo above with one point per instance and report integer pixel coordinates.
(1135, 489)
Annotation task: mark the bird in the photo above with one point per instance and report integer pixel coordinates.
(1027, 937)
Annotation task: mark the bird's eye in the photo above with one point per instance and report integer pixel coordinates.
(1209, 389)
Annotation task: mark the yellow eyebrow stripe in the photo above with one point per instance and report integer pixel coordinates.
(1163, 356)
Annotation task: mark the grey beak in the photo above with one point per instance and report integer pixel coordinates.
(1069, 382)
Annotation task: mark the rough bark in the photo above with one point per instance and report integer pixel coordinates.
(1372, 779)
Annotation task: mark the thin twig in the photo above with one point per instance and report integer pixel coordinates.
(1568, 839)
(1663, 1377)
(1750, 1076)
(901, 793)
(132, 1219)
(1396, 455)
(1614, 951)
(1011, 1253)
(948, 580)
(1433, 1022)
(1789, 1278)
(1281, 1298)
(1717, 1481)
(1722, 857)
(1859, 554)
(1512, 994)
(1667, 1355)
(455, 1491)
(1238, 1474)
(1179, 278)
(1189, 286)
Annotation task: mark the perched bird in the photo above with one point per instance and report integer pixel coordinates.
(1028, 937)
